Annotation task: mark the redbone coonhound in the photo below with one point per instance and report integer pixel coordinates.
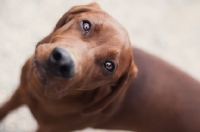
(86, 74)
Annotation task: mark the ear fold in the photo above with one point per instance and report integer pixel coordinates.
(134, 69)
(68, 16)
(94, 5)
(117, 93)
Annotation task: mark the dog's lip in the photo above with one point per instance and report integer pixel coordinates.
(39, 72)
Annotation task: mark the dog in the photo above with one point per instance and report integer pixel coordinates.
(86, 74)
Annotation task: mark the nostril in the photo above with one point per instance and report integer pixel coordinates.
(63, 69)
(57, 56)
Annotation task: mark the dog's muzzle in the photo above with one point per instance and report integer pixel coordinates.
(61, 63)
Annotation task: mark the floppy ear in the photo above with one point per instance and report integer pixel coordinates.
(117, 92)
(68, 16)
(94, 5)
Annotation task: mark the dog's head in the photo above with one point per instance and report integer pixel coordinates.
(86, 50)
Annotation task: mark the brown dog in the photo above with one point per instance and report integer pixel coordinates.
(83, 75)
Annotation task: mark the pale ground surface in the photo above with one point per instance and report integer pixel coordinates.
(169, 29)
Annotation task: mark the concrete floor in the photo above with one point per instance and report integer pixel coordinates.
(169, 29)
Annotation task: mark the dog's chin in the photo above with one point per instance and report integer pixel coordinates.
(51, 90)
(55, 92)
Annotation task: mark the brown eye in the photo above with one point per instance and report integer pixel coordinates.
(109, 66)
(86, 25)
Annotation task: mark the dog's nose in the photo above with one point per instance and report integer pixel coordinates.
(61, 63)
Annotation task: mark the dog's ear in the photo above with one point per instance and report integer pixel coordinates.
(117, 93)
(68, 16)
(94, 5)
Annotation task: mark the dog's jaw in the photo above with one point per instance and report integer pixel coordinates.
(39, 72)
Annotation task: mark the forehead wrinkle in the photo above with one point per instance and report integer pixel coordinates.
(105, 15)
(98, 17)
(102, 20)
(120, 32)
(107, 52)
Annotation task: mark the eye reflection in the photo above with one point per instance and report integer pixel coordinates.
(86, 25)
(109, 66)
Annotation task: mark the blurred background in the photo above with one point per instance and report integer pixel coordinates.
(169, 29)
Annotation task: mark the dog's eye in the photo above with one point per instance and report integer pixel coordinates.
(109, 66)
(86, 25)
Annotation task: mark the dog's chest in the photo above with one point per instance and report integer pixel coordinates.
(51, 115)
